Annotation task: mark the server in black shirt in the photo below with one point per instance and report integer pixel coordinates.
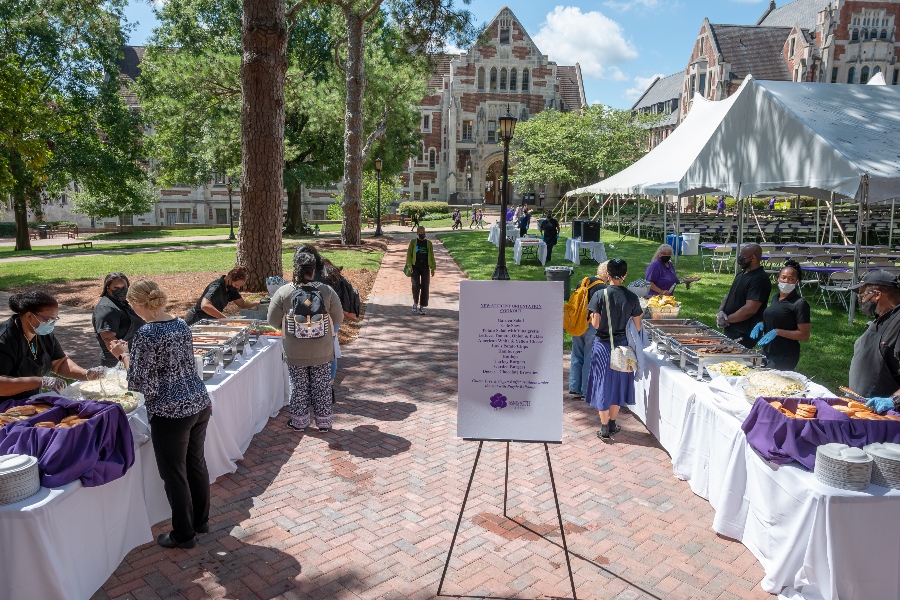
(744, 305)
(219, 294)
(29, 352)
(786, 322)
(113, 317)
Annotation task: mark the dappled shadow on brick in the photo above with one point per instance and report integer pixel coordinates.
(379, 411)
(367, 441)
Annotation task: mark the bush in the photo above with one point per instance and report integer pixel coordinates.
(433, 217)
(423, 208)
(7, 230)
(335, 212)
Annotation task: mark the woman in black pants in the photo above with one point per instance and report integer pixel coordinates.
(161, 366)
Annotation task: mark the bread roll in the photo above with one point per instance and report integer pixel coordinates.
(69, 419)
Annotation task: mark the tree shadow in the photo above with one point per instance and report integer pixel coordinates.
(379, 411)
(366, 441)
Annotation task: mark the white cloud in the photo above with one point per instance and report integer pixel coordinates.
(591, 39)
(452, 49)
(640, 86)
(634, 4)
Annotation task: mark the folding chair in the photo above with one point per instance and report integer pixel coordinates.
(837, 284)
(722, 255)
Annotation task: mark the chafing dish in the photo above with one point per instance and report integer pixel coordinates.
(661, 334)
(673, 342)
(693, 355)
(210, 358)
(239, 333)
(249, 327)
(653, 323)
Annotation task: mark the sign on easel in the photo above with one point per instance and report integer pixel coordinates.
(510, 361)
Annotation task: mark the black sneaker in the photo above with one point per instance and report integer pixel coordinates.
(294, 427)
(614, 430)
(324, 429)
(576, 395)
(603, 434)
(165, 540)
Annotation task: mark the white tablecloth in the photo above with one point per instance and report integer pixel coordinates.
(536, 243)
(813, 541)
(494, 233)
(575, 245)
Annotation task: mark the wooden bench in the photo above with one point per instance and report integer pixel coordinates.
(78, 245)
(69, 232)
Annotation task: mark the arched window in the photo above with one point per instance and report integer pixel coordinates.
(876, 71)
(480, 79)
(865, 34)
(503, 79)
(851, 75)
(512, 79)
(525, 80)
(431, 159)
(884, 34)
(864, 75)
(494, 79)
(854, 37)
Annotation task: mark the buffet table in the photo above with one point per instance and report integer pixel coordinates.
(813, 541)
(575, 246)
(512, 233)
(524, 243)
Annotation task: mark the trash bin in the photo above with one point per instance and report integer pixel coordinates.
(691, 244)
(42, 231)
(563, 274)
(670, 240)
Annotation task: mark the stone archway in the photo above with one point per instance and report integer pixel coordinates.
(493, 182)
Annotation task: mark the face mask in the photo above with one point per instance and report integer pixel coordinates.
(44, 328)
(119, 294)
(665, 259)
(787, 288)
(422, 236)
(742, 262)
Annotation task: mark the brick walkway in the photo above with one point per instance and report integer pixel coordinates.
(367, 511)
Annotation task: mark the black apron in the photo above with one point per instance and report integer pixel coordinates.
(869, 373)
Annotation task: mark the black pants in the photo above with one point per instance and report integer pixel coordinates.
(550, 244)
(421, 281)
(782, 362)
(742, 334)
(178, 446)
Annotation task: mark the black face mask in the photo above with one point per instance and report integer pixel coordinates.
(742, 262)
(421, 236)
(867, 308)
(665, 258)
(119, 294)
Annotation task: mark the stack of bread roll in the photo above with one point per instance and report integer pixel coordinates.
(858, 410)
(22, 413)
(804, 411)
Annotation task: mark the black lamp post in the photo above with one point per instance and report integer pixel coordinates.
(230, 212)
(507, 128)
(378, 165)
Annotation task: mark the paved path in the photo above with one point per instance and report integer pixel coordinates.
(367, 510)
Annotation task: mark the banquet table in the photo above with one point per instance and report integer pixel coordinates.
(574, 247)
(494, 233)
(813, 541)
(53, 531)
(523, 243)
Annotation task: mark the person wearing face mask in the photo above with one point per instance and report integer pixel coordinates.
(30, 354)
(744, 305)
(875, 367)
(661, 273)
(420, 267)
(786, 322)
(114, 318)
(219, 294)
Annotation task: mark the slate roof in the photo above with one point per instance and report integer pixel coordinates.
(442, 68)
(129, 69)
(571, 86)
(661, 90)
(753, 50)
(804, 13)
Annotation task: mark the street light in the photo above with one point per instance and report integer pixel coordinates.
(230, 212)
(507, 128)
(378, 165)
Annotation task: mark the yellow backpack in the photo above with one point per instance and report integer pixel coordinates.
(575, 311)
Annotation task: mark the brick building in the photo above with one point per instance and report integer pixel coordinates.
(663, 97)
(462, 155)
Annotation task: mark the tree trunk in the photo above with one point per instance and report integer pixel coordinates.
(294, 222)
(353, 129)
(20, 202)
(263, 67)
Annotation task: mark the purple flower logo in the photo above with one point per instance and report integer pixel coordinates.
(498, 401)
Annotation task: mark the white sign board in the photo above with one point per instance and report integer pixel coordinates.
(510, 360)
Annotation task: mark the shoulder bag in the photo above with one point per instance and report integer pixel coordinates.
(621, 358)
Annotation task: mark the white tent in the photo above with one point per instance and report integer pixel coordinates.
(877, 79)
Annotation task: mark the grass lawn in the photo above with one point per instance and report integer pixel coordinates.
(9, 251)
(825, 357)
(164, 233)
(33, 272)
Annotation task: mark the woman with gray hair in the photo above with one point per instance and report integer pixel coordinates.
(661, 273)
(309, 313)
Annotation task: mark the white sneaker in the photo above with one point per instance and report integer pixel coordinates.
(415, 308)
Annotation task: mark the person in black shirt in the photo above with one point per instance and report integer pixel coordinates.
(550, 229)
(30, 353)
(524, 222)
(608, 389)
(744, 305)
(219, 294)
(786, 321)
(113, 317)
(420, 266)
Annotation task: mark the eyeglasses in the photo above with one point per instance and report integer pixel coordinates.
(866, 293)
(48, 320)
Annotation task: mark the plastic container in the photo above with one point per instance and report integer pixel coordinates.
(563, 274)
(678, 247)
(691, 244)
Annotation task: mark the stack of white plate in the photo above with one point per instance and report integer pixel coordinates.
(19, 478)
(886, 470)
(841, 466)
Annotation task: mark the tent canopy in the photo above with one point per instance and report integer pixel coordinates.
(803, 138)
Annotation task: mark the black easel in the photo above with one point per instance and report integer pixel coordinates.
(505, 489)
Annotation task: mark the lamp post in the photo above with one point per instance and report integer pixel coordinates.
(507, 128)
(378, 165)
(230, 212)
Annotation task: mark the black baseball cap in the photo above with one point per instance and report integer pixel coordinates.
(877, 278)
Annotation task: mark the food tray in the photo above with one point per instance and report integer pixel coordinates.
(661, 334)
(673, 343)
(240, 334)
(228, 342)
(249, 326)
(213, 355)
(652, 323)
(692, 354)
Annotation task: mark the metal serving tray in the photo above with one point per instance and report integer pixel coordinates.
(674, 342)
(661, 334)
(240, 333)
(249, 327)
(229, 343)
(213, 358)
(689, 355)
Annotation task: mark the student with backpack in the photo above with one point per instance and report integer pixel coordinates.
(577, 323)
(308, 313)
(349, 298)
(420, 267)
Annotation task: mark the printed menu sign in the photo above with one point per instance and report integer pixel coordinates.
(510, 360)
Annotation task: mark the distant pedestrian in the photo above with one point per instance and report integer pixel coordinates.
(720, 208)
(510, 214)
(550, 231)
(415, 221)
(457, 219)
(772, 203)
(480, 218)
(420, 266)
(474, 220)
(524, 222)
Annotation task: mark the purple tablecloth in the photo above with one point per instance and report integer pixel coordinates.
(781, 439)
(97, 451)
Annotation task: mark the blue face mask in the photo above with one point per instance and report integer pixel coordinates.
(44, 328)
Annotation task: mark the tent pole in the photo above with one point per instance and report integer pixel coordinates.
(740, 224)
(831, 220)
(618, 216)
(678, 229)
(639, 218)
(818, 205)
(859, 215)
(891, 230)
(665, 214)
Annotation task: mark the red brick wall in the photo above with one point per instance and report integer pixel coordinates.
(521, 52)
(842, 30)
(431, 100)
(464, 70)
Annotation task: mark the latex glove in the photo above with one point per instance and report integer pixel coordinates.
(757, 331)
(55, 384)
(767, 338)
(95, 373)
(880, 405)
(721, 319)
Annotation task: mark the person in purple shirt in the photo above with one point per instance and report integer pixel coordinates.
(661, 273)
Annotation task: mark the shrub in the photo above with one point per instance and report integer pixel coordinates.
(7, 230)
(407, 208)
(433, 217)
(335, 212)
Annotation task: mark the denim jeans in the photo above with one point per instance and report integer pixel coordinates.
(334, 362)
(580, 364)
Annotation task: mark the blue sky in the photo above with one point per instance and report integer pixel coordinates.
(620, 44)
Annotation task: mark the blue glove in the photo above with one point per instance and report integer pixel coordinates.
(767, 338)
(756, 331)
(880, 405)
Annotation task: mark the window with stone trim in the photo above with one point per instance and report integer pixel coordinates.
(426, 122)
(851, 75)
(431, 159)
(492, 131)
(864, 75)
(793, 47)
(493, 79)
(503, 79)
(834, 74)
(425, 186)
(525, 80)
(504, 24)
(896, 75)
(480, 79)
(467, 130)
(512, 79)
